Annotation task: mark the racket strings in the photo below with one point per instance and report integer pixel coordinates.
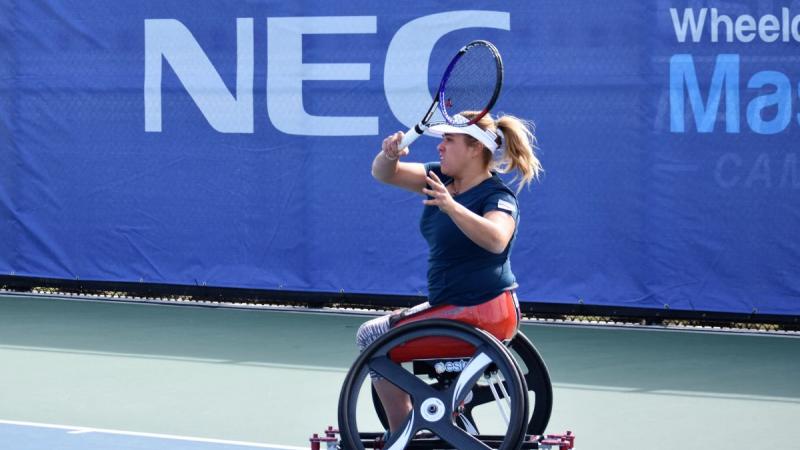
(472, 82)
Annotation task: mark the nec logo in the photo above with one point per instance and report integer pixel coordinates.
(405, 71)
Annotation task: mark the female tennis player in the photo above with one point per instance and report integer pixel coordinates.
(469, 221)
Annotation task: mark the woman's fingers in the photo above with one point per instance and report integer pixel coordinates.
(390, 144)
(396, 138)
(435, 183)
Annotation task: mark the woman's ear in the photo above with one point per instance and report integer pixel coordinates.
(477, 149)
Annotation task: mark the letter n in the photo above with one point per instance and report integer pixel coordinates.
(170, 39)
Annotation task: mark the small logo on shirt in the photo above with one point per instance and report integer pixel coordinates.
(507, 206)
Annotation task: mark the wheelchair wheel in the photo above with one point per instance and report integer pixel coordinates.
(534, 371)
(437, 407)
(540, 391)
(537, 379)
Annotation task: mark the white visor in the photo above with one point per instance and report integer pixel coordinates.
(485, 137)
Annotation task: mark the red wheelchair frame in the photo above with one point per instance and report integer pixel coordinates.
(499, 317)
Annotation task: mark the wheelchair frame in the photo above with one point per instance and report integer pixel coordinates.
(441, 415)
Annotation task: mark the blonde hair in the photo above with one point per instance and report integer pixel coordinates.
(519, 145)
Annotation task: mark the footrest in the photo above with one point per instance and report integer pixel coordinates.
(328, 440)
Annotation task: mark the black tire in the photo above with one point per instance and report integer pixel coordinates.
(537, 379)
(490, 353)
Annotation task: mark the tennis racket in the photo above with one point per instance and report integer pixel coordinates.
(471, 82)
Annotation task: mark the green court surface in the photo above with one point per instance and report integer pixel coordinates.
(267, 376)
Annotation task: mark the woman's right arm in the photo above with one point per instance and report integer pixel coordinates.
(386, 166)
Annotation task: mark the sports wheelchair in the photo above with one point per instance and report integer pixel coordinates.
(469, 391)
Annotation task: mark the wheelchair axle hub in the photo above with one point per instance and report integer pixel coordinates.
(432, 409)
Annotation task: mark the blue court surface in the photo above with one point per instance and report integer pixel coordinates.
(36, 436)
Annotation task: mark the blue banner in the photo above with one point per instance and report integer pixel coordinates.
(229, 144)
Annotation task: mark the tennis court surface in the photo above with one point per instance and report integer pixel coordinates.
(94, 375)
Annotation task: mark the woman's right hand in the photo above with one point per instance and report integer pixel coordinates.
(390, 144)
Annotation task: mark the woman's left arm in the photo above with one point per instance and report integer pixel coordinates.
(492, 231)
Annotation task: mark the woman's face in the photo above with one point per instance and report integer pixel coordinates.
(454, 154)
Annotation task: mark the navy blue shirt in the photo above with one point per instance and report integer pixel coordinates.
(460, 272)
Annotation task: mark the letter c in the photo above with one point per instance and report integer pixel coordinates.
(405, 76)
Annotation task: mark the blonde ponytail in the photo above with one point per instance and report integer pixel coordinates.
(519, 147)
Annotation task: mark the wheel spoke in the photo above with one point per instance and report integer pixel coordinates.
(469, 375)
(398, 440)
(499, 400)
(467, 422)
(457, 437)
(400, 377)
(482, 395)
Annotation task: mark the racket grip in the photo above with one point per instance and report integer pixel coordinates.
(411, 135)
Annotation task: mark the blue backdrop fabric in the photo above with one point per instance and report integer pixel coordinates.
(229, 144)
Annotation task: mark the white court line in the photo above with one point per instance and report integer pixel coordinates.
(82, 430)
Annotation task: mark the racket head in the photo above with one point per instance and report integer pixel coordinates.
(471, 82)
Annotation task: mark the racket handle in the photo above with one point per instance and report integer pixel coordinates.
(411, 135)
